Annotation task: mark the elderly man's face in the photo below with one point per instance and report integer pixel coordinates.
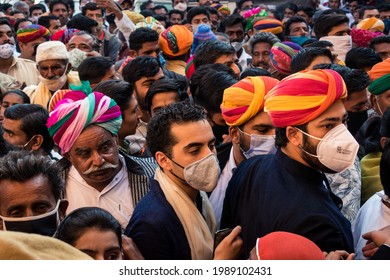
(95, 156)
(82, 42)
(52, 69)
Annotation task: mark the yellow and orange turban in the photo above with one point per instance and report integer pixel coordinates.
(176, 40)
(243, 100)
(372, 24)
(303, 96)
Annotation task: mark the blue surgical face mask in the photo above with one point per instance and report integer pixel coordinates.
(260, 145)
(299, 39)
(45, 224)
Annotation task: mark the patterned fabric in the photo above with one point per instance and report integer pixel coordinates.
(221, 8)
(281, 55)
(133, 16)
(64, 35)
(252, 15)
(303, 96)
(372, 24)
(152, 23)
(245, 99)
(347, 186)
(362, 38)
(268, 25)
(76, 111)
(203, 34)
(176, 40)
(32, 32)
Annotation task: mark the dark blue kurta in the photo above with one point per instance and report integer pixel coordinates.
(276, 193)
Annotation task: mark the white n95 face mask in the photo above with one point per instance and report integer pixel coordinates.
(337, 149)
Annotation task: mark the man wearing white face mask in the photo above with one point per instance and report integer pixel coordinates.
(335, 29)
(234, 27)
(181, 222)
(288, 191)
(30, 189)
(53, 65)
(251, 129)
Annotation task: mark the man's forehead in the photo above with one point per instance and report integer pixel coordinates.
(52, 62)
(5, 27)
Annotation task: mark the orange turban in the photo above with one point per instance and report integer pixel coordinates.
(281, 245)
(243, 100)
(303, 96)
(175, 40)
(371, 23)
(380, 69)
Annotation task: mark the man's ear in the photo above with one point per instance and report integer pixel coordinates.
(234, 134)
(163, 161)
(133, 53)
(62, 208)
(69, 68)
(37, 142)
(384, 141)
(294, 136)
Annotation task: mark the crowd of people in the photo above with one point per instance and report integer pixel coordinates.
(195, 132)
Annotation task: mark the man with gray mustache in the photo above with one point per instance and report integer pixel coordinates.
(85, 128)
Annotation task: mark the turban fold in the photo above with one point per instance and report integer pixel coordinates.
(221, 8)
(281, 245)
(176, 40)
(133, 16)
(76, 111)
(380, 85)
(268, 25)
(245, 99)
(32, 32)
(64, 35)
(380, 69)
(371, 23)
(362, 38)
(281, 55)
(303, 96)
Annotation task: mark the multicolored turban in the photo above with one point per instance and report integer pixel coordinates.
(64, 35)
(152, 23)
(221, 8)
(281, 55)
(303, 96)
(76, 111)
(380, 76)
(268, 25)
(372, 24)
(253, 14)
(245, 99)
(176, 40)
(281, 245)
(32, 32)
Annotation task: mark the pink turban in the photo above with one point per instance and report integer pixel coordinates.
(76, 111)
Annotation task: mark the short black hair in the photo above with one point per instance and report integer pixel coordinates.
(33, 118)
(209, 51)
(379, 40)
(230, 21)
(45, 20)
(20, 93)
(19, 21)
(5, 21)
(281, 139)
(175, 11)
(307, 10)
(140, 36)
(91, 7)
(365, 8)
(208, 84)
(159, 135)
(361, 58)
(252, 72)
(163, 85)
(55, 2)
(197, 11)
(262, 37)
(319, 44)
(141, 66)
(292, 20)
(94, 68)
(145, 4)
(37, 7)
(21, 166)
(120, 91)
(305, 57)
(324, 24)
(81, 22)
(159, 7)
(77, 222)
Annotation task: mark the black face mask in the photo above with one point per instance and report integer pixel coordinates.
(45, 224)
(356, 120)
